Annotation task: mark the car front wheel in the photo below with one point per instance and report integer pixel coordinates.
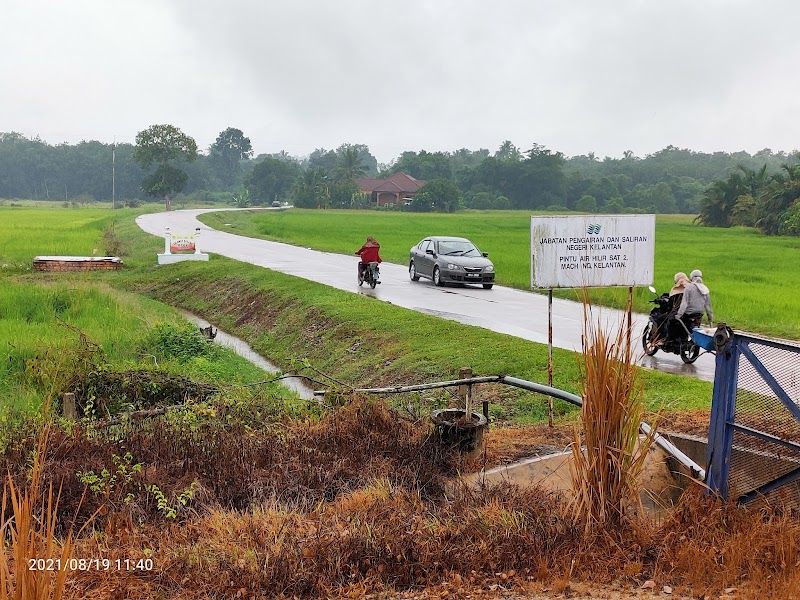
(437, 277)
(412, 272)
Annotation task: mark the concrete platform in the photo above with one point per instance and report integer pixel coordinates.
(169, 259)
(660, 485)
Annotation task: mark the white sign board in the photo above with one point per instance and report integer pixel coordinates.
(592, 251)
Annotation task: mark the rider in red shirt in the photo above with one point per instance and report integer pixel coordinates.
(368, 253)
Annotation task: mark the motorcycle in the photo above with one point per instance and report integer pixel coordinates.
(669, 334)
(369, 274)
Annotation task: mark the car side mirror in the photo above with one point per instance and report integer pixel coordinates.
(485, 254)
(429, 251)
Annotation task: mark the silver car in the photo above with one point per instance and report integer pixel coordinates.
(450, 260)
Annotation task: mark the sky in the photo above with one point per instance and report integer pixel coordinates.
(576, 76)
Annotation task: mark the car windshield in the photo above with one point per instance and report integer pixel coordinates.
(457, 248)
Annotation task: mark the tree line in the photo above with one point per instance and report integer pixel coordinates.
(165, 163)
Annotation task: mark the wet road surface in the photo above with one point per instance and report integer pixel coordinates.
(501, 309)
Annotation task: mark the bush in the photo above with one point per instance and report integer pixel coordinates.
(587, 204)
(182, 342)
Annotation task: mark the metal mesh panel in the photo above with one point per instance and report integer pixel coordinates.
(755, 461)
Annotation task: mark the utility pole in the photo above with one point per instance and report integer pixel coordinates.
(114, 173)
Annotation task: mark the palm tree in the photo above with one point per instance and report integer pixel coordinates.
(754, 180)
(719, 200)
(508, 151)
(350, 165)
(778, 198)
(311, 189)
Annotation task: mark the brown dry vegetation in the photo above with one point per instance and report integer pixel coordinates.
(356, 502)
(607, 452)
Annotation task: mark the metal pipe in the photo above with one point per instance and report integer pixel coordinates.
(425, 386)
(697, 471)
(542, 389)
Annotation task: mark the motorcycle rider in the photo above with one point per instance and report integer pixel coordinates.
(675, 299)
(696, 299)
(676, 293)
(368, 253)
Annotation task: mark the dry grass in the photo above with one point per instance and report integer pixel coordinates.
(708, 545)
(31, 533)
(383, 538)
(294, 463)
(354, 504)
(608, 454)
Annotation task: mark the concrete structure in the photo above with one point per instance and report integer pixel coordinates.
(661, 481)
(175, 251)
(60, 264)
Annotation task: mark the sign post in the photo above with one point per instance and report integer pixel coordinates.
(590, 251)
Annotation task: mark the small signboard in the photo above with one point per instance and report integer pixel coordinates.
(181, 246)
(592, 251)
(182, 243)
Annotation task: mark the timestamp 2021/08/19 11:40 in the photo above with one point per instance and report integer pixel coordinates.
(90, 564)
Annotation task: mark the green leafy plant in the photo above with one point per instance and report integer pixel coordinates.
(170, 511)
(117, 486)
(182, 342)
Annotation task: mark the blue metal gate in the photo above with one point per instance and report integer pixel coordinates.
(754, 438)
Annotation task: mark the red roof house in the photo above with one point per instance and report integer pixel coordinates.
(397, 189)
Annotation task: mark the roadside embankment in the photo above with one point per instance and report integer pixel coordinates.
(363, 342)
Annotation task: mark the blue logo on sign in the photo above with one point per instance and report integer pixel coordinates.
(593, 229)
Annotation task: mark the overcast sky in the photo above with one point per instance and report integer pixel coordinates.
(575, 75)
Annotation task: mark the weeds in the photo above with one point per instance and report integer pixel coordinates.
(356, 501)
(608, 458)
(113, 244)
(36, 567)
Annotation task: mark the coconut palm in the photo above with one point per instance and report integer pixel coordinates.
(508, 151)
(776, 200)
(311, 189)
(350, 165)
(719, 199)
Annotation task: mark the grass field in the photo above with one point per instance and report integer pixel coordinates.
(755, 285)
(42, 315)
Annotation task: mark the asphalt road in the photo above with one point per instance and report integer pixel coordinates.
(505, 310)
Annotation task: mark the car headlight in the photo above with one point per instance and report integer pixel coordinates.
(452, 267)
(489, 269)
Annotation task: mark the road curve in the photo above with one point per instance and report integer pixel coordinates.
(501, 309)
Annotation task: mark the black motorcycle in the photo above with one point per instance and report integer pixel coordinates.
(667, 333)
(369, 274)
